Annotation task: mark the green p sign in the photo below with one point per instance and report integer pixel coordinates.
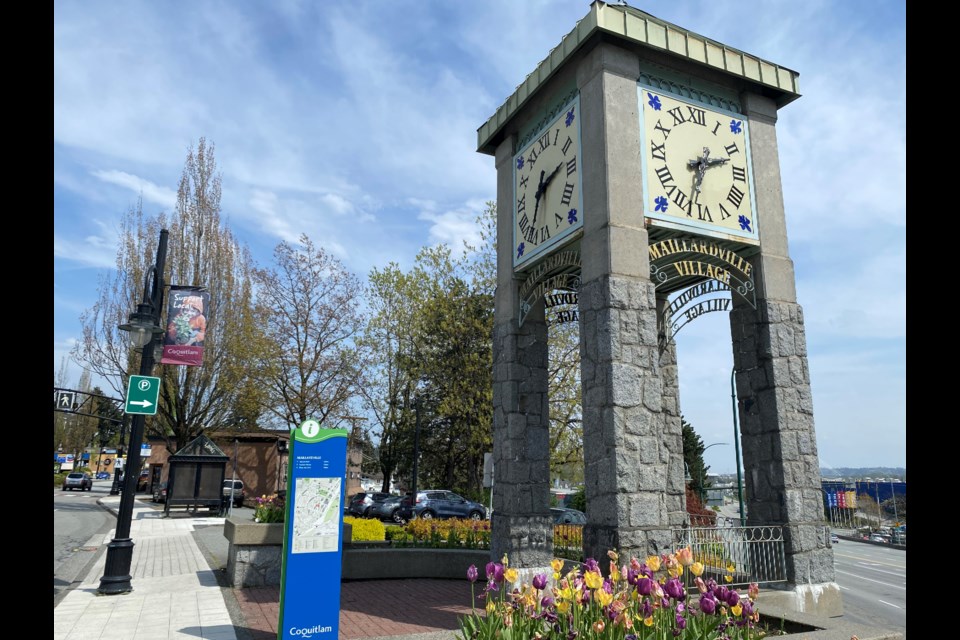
(142, 395)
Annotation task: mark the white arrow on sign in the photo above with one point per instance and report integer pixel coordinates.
(142, 403)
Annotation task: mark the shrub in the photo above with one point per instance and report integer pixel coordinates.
(366, 529)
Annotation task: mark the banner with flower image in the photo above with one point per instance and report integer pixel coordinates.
(186, 326)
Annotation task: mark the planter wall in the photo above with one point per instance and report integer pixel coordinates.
(255, 557)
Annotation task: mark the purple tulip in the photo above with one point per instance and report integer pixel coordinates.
(490, 569)
(498, 572)
(632, 577)
(747, 608)
(681, 622)
(546, 602)
(707, 603)
(539, 581)
(647, 608)
(644, 586)
(674, 589)
(732, 598)
(472, 573)
(591, 565)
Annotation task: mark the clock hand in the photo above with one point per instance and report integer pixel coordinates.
(552, 175)
(701, 164)
(540, 188)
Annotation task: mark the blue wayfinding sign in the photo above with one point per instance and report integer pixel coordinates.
(312, 533)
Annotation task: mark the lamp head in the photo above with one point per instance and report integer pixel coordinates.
(142, 326)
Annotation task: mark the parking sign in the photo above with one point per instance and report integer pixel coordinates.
(142, 395)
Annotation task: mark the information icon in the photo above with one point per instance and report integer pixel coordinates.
(310, 428)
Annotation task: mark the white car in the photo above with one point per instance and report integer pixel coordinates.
(834, 538)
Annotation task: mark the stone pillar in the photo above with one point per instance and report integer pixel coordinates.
(521, 526)
(633, 467)
(782, 478)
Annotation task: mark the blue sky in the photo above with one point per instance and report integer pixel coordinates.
(356, 123)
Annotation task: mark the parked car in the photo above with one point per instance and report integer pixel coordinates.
(568, 516)
(362, 503)
(103, 475)
(81, 481)
(440, 503)
(238, 493)
(160, 492)
(388, 509)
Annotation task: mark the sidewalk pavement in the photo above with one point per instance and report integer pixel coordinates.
(179, 591)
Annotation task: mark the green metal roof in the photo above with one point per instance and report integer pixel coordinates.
(640, 28)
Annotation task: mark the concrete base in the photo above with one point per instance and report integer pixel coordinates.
(822, 600)
(825, 628)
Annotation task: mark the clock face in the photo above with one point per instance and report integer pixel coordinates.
(697, 170)
(548, 203)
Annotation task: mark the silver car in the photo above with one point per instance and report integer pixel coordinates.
(75, 480)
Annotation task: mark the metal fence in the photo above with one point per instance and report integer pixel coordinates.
(742, 554)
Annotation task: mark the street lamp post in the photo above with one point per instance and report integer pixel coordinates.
(144, 327)
(416, 451)
(736, 445)
(703, 473)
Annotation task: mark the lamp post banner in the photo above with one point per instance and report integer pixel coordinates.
(312, 533)
(186, 326)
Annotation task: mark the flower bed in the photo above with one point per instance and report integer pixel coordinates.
(662, 597)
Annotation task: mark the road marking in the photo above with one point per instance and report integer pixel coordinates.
(889, 603)
(871, 567)
(859, 577)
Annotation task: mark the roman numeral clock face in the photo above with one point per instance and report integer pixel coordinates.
(547, 199)
(697, 169)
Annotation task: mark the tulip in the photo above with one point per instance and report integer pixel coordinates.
(654, 563)
(591, 565)
(736, 609)
(753, 590)
(593, 579)
(546, 602)
(491, 567)
(685, 556)
(598, 626)
(681, 622)
(644, 586)
(556, 564)
(732, 597)
(701, 585)
(696, 569)
(707, 604)
(539, 581)
(511, 575)
(674, 589)
(472, 573)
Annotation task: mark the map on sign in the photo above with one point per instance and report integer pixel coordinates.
(316, 515)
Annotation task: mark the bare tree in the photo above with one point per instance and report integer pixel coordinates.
(311, 308)
(202, 252)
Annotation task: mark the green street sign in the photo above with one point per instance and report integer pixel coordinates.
(142, 395)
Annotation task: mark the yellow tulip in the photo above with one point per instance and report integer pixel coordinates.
(648, 620)
(736, 609)
(511, 575)
(731, 567)
(653, 562)
(594, 580)
(556, 564)
(491, 607)
(604, 598)
(696, 569)
(563, 606)
(728, 578)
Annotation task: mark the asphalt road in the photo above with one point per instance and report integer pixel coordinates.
(873, 584)
(79, 527)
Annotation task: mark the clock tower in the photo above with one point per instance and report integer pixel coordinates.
(638, 171)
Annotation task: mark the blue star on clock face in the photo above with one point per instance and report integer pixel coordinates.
(520, 249)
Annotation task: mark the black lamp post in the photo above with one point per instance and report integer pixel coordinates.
(144, 327)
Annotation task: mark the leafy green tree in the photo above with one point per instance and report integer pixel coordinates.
(390, 338)
(693, 459)
(578, 500)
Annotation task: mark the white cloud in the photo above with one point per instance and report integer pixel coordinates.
(151, 192)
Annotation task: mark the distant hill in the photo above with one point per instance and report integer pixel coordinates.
(863, 472)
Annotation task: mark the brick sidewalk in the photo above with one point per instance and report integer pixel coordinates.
(371, 608)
